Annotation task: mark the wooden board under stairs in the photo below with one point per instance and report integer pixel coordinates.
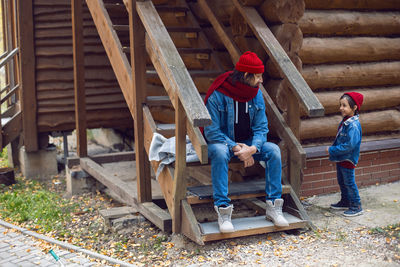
(240, 190)
(248, 226)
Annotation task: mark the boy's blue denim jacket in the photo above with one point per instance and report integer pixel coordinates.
(222, 114)
(346, 146)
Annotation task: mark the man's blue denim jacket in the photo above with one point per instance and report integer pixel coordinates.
(222, 114)
(346, 146)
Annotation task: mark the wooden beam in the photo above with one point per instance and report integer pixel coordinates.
(105, 158)
(28, 78)
(113, 47)
(155, 214)
(190, 226)
(121, 188)
(349, 23)
(220, 30)
(294, 162)
(195, 136)
(179, 185)
(298, 85)
(12, 129)
(179, 79)
(138, 86)
(79, 77)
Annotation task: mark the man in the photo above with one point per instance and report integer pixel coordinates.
(239, 128)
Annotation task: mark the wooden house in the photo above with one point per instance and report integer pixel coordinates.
(74, 64)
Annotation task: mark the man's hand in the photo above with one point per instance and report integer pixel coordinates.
(249, 162)
(236, 148)
(327, 150)
(245, 152)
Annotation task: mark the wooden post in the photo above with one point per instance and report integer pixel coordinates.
(138, 63)
(295, 164)
(221, 31)
(3, 27)
(179, 187)
(79, 77)
(27, 80)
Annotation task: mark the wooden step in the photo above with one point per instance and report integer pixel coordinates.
(239, 190)
(193, 73)
(125, 28)
(165, 129)
(248, 226)
(172, 8)
(191, 50)
(115, 8)
(163, 100)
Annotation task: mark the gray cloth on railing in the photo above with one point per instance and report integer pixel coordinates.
(163, 149)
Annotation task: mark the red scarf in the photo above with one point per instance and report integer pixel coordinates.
(239, 92)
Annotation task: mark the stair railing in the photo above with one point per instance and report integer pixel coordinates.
(9, 71)
(190, 111)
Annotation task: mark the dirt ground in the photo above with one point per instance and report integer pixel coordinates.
(336, 241)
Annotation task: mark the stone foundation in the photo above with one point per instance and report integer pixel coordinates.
(41, 164)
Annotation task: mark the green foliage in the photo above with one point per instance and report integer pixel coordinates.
(29, 203)
(392, 231)
(4, 158)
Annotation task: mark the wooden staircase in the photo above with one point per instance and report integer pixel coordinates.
(11, 118)
(163, 93)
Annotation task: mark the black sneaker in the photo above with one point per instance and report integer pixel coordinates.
(341, 205)
(351, 212)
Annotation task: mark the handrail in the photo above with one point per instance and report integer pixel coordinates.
(9, 57)
(179, 79)
(9, 94)
(3, 55)
(275, 51)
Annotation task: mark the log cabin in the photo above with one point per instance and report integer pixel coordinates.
(145, 66)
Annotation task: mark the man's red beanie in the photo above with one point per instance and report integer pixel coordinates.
(357, 97)
(249, 62)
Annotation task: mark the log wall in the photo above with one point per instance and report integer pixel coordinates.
(105, 105)
(339, 46)
(351, 46)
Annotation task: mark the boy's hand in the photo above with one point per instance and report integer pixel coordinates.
(327, 150)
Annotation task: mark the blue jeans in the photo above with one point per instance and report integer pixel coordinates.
(220, 156)
(348, 187)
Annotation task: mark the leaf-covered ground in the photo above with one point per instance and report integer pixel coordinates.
(76, 220)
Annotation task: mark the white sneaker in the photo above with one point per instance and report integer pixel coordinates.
(274, 213)
(224, 219)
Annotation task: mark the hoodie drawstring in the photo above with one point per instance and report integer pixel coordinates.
(237, 111)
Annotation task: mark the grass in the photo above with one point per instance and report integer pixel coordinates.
(29, 204)
(4, 158)
(391, 231)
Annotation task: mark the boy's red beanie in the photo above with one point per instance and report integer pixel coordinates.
(250, 62)
(357, 97)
